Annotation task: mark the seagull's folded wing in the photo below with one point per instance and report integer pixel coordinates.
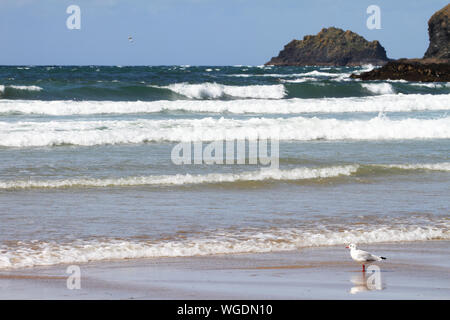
(365, 256)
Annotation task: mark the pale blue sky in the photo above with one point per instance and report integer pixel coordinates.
(196, 32)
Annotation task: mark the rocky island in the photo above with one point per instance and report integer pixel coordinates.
(433, 67)
(331, 47)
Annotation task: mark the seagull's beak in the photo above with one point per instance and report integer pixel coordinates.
(346, 247)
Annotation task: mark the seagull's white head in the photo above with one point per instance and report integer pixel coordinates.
(351, 246)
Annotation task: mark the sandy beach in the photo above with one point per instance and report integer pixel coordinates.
(416, 270)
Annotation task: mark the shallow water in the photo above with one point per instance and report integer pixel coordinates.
(86, 170)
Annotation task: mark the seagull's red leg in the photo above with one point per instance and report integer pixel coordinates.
(364, 268)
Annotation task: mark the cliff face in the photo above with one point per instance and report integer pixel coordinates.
(438, 31)
(331, 47)
(434, 67)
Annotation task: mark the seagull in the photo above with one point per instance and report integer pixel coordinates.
(362, 256)
(130, 38)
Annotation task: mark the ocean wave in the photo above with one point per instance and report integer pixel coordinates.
(317, 73)
(215, 90)
(270, 75)
(3, 88)
(27, 88)
(443, 166)
(299, 80)
(301, 77)
(296, 174)
(180, 179)
(387, 103)
(90, 133)
(290, 75)
(290, 87)
(379, 88)
(45, 253)
(430, 85)
(365, 68)
(7, 91)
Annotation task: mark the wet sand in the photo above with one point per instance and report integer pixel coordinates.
(415, 270)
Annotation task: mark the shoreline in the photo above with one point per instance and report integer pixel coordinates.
(414, 270)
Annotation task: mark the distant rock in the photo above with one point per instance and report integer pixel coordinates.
(439, 33)
(331, 47)
(434, 67)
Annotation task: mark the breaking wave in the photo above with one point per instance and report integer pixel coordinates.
(4, 89)
(443, 166)
(215, 91)
(89, 133)
(387, 103)
(302, 173)
(45, 253)
(180, 179)
(379, 88)
(27, 88)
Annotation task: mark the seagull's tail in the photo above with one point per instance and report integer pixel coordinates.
(383, 258)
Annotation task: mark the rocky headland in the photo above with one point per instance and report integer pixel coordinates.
(433, 67)
(439, 33)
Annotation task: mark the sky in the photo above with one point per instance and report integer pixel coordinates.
(196, 32)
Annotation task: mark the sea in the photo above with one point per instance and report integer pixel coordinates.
(87, 168)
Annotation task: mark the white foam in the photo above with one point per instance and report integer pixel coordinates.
(17, 87)
(274, 75)
(89, 133)
(302, 173)
(215, 90)
(299, 80)
(386, 103)
(379, 88)
(317, 73)
(431, 85)
(179, 179)
(443, 166)
(365, 68)
(26, 88)
(314, 73)
(396, 80)
(34, 253)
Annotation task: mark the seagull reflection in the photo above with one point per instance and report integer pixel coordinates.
(367, 281)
